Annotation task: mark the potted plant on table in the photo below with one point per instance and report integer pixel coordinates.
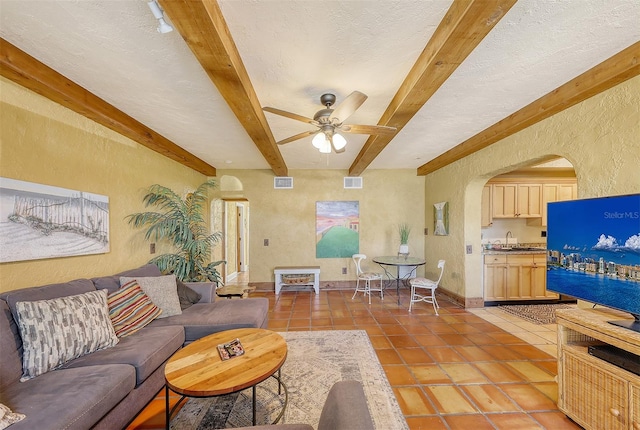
(181, 222)
(404, 229)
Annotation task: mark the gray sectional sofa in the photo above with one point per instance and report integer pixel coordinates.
(106, 389)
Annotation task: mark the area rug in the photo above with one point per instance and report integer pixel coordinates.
(537, 314)
(315, 361)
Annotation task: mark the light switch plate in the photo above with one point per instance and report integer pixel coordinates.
(469, 249)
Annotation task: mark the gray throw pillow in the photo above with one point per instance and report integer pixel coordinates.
(58, 330)
(187, 295)
(162, 290)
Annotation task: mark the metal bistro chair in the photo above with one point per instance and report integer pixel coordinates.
(366, 278)
(426, 284)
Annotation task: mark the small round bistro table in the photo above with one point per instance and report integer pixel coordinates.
(198, 371)
(398, 261)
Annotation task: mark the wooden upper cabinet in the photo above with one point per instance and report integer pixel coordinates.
(504, 200)
(486, 217)
(517, 200)
(529, 201)
(557, 193)
(524, 198)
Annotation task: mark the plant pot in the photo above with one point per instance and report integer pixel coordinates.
(404, 249)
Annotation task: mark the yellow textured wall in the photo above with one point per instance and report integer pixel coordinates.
(45, 143)
(600, 137)
(287, 217)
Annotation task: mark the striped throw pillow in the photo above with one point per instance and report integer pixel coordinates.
(130, 309)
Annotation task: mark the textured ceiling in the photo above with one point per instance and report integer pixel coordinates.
(294, 51)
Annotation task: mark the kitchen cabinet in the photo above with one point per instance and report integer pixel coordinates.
(516, 200)
(486, 218)
(557, 193)
(516, 277)
(495, 277)
(530, 271)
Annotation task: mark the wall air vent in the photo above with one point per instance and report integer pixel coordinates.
(351, 182)
(283, 182)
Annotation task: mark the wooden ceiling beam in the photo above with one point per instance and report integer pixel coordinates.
(463, 27)
(202, 26)
(622, 66)
(19, 67)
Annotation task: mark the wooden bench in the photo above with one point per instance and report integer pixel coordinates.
(289, 276)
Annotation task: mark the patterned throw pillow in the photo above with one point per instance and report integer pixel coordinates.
(58, 330)
(162, 290)
(130, 309)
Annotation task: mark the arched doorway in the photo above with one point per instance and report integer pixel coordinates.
(230, 216)
(513, 213)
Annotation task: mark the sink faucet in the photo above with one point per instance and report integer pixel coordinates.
(506, 240)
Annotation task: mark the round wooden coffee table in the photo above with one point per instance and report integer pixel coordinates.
(198, 371)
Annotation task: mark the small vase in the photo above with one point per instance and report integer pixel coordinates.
(404, 250)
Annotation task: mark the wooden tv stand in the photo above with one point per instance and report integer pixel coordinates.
(595, 393)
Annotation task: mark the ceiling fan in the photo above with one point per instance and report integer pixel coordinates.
(329, 121)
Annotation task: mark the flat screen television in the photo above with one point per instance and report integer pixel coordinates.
(594, 252)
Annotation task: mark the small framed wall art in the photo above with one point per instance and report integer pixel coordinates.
(441, 219)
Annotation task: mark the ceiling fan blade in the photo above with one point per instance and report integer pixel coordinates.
(348, 106)
(297, 137)
(290, 115)
(367, 129)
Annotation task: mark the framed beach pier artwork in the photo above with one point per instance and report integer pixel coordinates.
(337, 229)
(441, 219)
(41, 221)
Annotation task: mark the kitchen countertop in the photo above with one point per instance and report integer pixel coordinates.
(516, 251)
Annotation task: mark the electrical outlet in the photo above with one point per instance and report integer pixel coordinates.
(344, 270)
(152, 248)
(266, 242)
(469, 249)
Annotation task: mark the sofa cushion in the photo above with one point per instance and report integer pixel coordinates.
(112, 283)
(145, 350)
(207, 290)
(186, 295)
(51, 291)
(10, 348)
(58, 330)
(162, 290)
(203, 319)
(89, 394)
(130, 309)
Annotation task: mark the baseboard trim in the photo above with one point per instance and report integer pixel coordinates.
(465, 302)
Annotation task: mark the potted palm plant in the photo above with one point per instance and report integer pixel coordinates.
(404, 229)
(181, 222)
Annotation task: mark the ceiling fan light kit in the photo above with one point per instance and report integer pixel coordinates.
(329, 121)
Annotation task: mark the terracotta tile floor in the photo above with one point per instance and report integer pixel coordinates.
(476, 369)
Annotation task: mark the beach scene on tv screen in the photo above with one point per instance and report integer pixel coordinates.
(594, 250)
